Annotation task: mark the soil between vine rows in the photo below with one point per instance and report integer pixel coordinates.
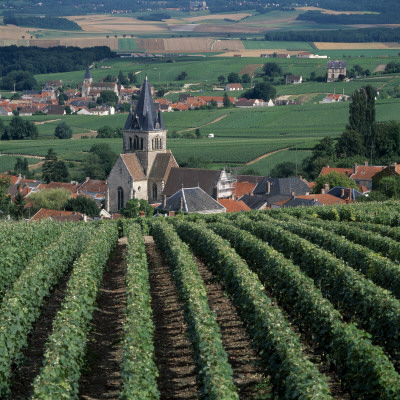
(173, 351)
(24, 375)
(101, 378)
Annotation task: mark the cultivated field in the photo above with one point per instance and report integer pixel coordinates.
(355, 46)
(182, 309)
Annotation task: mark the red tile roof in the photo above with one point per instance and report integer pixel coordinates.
(366, 172)
(57, 215)
(326, 199)
(241, 188)
(56, 185)
(233, 206)
(328, 169)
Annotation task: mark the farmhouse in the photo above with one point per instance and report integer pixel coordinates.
(336, 70)
(293, 79)
(233, 86)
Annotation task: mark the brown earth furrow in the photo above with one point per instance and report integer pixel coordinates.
(173, 352)
(32, 361)
(248, 374)
(101, 377)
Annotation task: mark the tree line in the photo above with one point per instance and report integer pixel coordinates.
(45, 22)
(338, 35)
(37, 60)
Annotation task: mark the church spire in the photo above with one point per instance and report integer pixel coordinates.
(146, 117)
(88, 74)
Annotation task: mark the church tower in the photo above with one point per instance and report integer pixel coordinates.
(144, 132)
(87, 81)
(142, 170)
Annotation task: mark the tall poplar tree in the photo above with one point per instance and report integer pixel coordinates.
(362, 116)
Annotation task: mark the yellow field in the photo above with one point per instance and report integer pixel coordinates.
(109, 24)
(356, 46)
(235, 17)
(255, 53)
(324, 11)
(12, 32)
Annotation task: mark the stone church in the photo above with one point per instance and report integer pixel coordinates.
(142, 170)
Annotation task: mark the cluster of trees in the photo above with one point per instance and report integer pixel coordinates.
(349, 35)
(18, 129)
(63, 131)
(234, 77)
(392, 68)
(109, 132)
(21, 80)
(358, 70)
(261, 90)
(38, 60)
(363, 139)
(182, 76)
(100, 161)
(54, 170)
(45, 22)
(122, 79)
(107, 97)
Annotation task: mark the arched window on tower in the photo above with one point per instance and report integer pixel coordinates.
(136, 143)
(154, 190)
(152, 144)
(160, 144)
(130, 143)
(120, 202)
(141, 144)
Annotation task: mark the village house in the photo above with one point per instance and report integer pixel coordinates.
(334, 98)
(233, 86)
(294, 79)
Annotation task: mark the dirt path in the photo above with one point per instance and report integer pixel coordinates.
(22, 155)
(45, 122)
(24, 376)
(380, 68)
(101, 378)
(248, 374)
(174, 354)
(266, 155)
(208, 123)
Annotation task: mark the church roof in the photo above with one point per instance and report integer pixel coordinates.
(145, 118)
(179, 178)
(88, 74)
(162, 166)
(191, 200)
(133, 166)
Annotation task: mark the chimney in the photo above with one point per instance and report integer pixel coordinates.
(268, 187)
(355, 167)
(366, 163)
(142, 214)
(322, 191)
(171, 214)
(164, 201)
(326, 187)
(293, 195)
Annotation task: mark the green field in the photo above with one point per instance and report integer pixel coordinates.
(263, 44)
(8, 162)
(127, 44)
(265, 165)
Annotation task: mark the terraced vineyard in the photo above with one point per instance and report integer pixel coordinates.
(284, 304)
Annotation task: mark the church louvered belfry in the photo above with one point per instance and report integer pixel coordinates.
(143, 168)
